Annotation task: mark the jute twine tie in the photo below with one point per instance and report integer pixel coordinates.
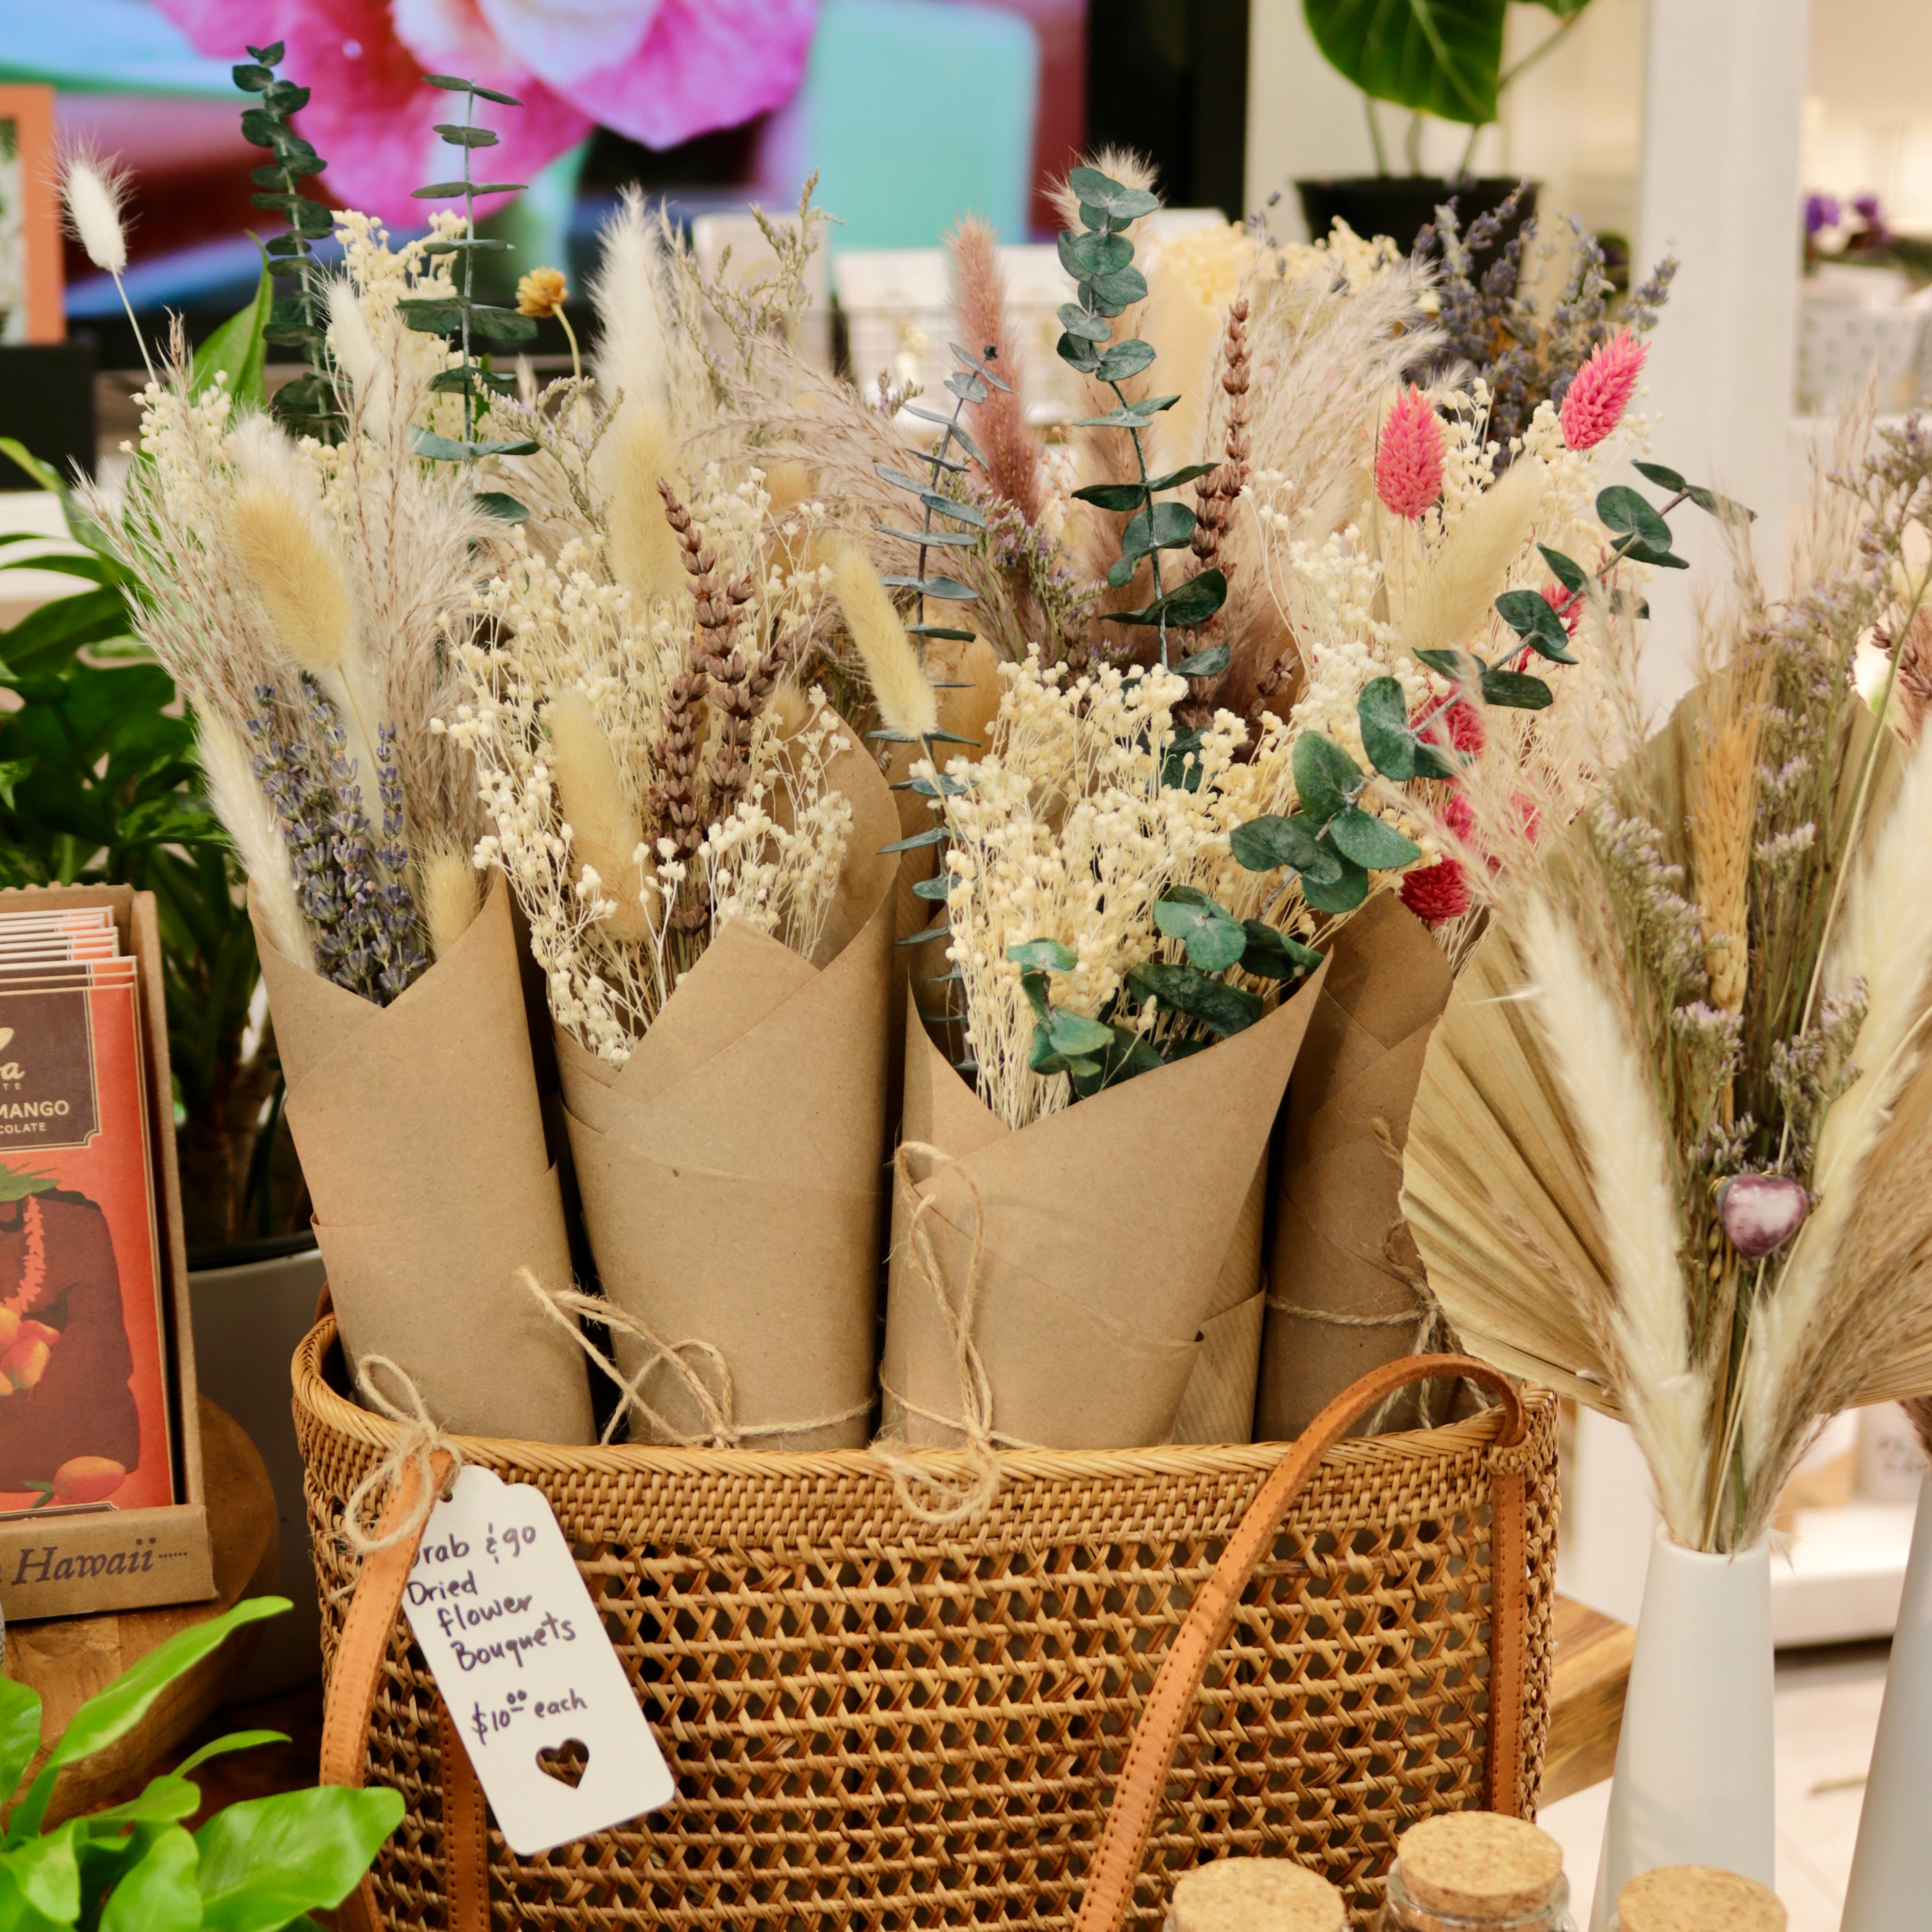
(954, 1501)
(418, 1440)
(1432, 1332)
(720, 1428)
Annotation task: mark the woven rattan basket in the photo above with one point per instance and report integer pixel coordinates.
(874, 1724)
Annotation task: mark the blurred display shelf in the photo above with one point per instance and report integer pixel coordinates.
(1839, 1580)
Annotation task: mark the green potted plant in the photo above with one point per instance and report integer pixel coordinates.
(100, 784)
(1443, 58)
(264, 1864)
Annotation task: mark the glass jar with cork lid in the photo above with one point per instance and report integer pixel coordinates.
(1476, 1871)
(1255, 1895)
(1696, 1898)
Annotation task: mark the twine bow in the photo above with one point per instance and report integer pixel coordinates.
(720, 1429)
(418, 1440)
(957, 1502)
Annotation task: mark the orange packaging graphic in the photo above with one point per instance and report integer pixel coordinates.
(84, 1411)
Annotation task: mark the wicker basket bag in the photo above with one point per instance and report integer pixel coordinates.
(1131, 1662)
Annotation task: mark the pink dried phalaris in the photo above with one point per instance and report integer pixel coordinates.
(1599, 392)
(1409, 456)
(1760, 1212)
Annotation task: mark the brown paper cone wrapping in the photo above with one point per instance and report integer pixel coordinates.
(1340, 1246)
(421, 1142)
(1106, 1227)
(731, 1170)
(1218, 1405)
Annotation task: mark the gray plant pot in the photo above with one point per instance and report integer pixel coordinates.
(250, 1315)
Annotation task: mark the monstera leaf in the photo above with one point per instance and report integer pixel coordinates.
(1442, 56)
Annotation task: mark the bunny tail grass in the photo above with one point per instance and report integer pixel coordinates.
(907, 703)
(644, 555)
(604, 830)
(1455, 594)
(449, 898)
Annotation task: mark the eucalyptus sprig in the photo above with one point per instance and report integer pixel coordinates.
(460, 314)
(308, 405)
(1100, 258)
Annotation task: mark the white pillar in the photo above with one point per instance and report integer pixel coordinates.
(1723, 102)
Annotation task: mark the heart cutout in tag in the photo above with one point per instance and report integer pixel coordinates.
(566, 1762)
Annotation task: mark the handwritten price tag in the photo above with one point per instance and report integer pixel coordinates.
(559, 1744)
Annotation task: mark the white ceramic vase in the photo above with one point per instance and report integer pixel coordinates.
(1891, 1869)
(1694, 1776)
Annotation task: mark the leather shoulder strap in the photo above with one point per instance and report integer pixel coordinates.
(1170, 1704)
(349, 1706)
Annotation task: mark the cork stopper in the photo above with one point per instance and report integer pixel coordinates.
(1479, 1864)
(1697, 1898)
(1255, 1895)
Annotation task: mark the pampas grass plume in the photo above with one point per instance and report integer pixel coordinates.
(1456, 592)
(907, 703)
(96, 194)
(1611, 1104)
(628, 288)
(448, 897)
(604, 830)
(228, 776)
(644, 554)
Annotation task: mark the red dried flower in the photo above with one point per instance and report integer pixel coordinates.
(1601, 391)
(1448, 720)
(1409, 456)
(1436, 893)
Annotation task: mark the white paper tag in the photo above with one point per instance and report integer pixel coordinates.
(525, 1665)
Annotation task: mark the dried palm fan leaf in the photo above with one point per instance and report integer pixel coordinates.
(1671, 1146)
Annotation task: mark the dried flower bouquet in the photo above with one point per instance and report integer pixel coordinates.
(696, 840)
(301, 592)
(1668, 1151)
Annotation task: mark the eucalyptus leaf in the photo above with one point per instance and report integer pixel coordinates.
(947, 589)
(1529, 614)
(1210, 663)
(1370, 842)
(1515, 691)
(1267, 844)
(1114, 497)
(1187, 605)
(964, 513)
(1044, 955)
(1326, 779)
(1566, 570)
(1124, 360)
(1273, 955)
(1076, 321)
(1175, 478)
(1222, 1009)
(1343, 894)
(1663, 476)
(1112, 293)
(1624, 511)
(1394, 748)
(1163, 526)
(1212, 936)
(934, 834)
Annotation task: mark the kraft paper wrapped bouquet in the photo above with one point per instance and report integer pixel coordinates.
(697, 841)
(1138, 886)
(1488, 515)
(302, 592)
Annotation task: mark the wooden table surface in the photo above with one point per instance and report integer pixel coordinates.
(67, 1659)
(1586, 1702)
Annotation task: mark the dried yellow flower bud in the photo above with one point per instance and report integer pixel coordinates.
(541, 292)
